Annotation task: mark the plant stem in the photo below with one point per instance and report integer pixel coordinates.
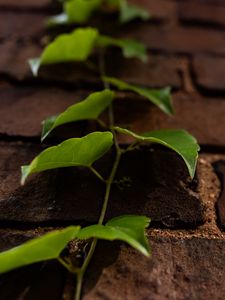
(108, 182)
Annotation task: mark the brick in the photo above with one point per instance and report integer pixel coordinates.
(23, 109)
(39, 281)
(22, 26)
(161, 9)
(159, 71)
(209, 72)
(202, 13)
(12, 4)
(14, 60)
(194, 113)
(179, 268)
(159, 181)
(220, 205)
(175, 39)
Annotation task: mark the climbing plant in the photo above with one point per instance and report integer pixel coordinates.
(78, 46)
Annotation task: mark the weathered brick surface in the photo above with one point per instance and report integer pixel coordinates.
(25, 4)
(204, 12)
(174, 39)
(21, 26)
(209, 72)
(185, 268)
(23, 109)
(166, 194)
(220, 205)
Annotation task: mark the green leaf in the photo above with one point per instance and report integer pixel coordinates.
(129, 12)
(75, 11)
(129, 229)
(79, 11)
(159, 97)
(179, 141)
(130, 48)
(46, 247)
(73, 152)
(90, 108)
(75, 46)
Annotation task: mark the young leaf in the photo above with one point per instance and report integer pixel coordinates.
(129, 12)
(179, 141)
(75, 46)
(46, 247)
(90, 108)
(129, 229)
(79, 11)
(130, 48)
(159, 97)
(73, 152)
(75, 11)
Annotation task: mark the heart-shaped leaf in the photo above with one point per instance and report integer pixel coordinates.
(129, 229)
(73, 152)
(129, 12)
(75, 46)
(130, 48)
(88, 109)
(159, 97)
(46, 247)
(179, 141)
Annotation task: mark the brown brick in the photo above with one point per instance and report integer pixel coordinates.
(174, 39)
(220, 205)
(160, 9)
(23, 109)
(25, 4)
(205, 12)
(196, 114)
(209, 72)
(21, 26)
(159, 180)
(185, 268)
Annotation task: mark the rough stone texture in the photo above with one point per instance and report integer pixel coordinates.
(187, 268)
(170, 199)
(220, 205)
(204, 12)
(209, 72)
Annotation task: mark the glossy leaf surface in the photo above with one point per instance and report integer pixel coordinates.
(179, 141)
(159, 97)
(129, 229)
(73, 152)
(46, 247)
(130, 48)
(88, 109)
(75, 46)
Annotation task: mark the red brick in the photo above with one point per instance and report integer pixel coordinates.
(174, 39)
(160, 9)
(23, 109)
(165, 194)
(25, 3)
(205, 12)
(21, 26)
(180, 268)
(209, 72)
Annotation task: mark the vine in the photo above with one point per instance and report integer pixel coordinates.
(78, 46)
